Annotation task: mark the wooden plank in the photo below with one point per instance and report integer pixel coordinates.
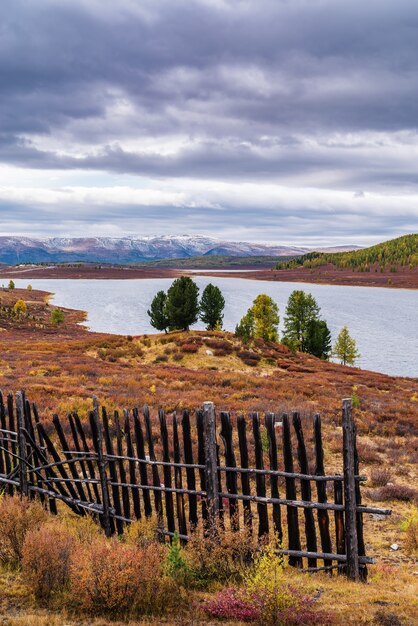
(211, 464)
(112, 471)
(42, 451)
(132, 465)
(12, 421)
(360, 536)
(263, 521)
(155, 475)
(65, 447)
(274, 481)
(310, 531)
(77, 447)
(190, 472)
(22, 449)
(121, 467)
(178, 479)
(351, 539)
(33, 452)
(322, 516)
(140, 451)
(292, 513)
(89, 462)
(97, 436)
(6, 444)
(201, 460)
(245, 478)
(169, 505)
(3, 437)
(339, 522)
(230, 461)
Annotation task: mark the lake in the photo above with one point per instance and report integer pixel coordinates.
(384, 322)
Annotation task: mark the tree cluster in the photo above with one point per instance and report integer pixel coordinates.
(304, 330)
(180, 308)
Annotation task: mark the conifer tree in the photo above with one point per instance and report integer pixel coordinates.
(156, 312)
(266, 318)
(301, 309)
(318, 340)
(345, 348)
(245, 328)
(182, 306)
(212, 304)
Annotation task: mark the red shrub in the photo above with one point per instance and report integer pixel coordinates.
(189, 348)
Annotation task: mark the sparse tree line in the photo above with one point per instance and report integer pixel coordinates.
(304, 330)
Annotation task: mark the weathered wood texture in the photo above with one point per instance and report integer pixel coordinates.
(101, 468)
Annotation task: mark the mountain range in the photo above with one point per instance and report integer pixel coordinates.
(16, 250)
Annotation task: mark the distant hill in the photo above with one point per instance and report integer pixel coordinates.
(218, 262)
(17, 250)
(127, 250)
(402, 251)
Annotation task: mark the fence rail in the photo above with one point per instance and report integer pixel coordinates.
(119, 469)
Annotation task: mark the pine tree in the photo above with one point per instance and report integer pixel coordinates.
(318, 340)
(156, 312)
(245, 328)
(301, 309)
(11, 284)
(212, 304)
(266, 318)
(182, 306)
(345, 348)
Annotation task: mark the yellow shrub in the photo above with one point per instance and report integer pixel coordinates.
(17, 517)
(46, 559)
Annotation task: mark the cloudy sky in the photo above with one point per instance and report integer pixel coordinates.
(286, 121)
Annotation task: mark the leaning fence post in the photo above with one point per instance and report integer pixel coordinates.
(211, 464)
(23, 473)
(353, 571)
(102, 469)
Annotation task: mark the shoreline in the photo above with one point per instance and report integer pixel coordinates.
(407, 279)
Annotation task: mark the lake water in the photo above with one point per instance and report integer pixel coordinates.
(384, 322)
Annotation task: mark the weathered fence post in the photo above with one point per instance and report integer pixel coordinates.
(23, 471)
(102, 468)
(353, 571)
(211, 465)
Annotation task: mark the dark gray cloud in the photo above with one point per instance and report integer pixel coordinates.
(307, 93)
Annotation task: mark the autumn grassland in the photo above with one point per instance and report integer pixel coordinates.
(62, 366)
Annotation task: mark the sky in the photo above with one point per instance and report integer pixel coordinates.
(282, 121)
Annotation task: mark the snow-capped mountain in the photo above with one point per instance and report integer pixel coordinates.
(15, 250)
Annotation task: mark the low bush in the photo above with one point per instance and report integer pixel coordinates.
(379, 477)
(178, 356)
(46, 559)
(219, 344)
(109, 577)
(161, 358)
(220, 557)
(17, 517)
(189, 348)
(410, 527)
(248, 355)
(266, 598)
(394, 492)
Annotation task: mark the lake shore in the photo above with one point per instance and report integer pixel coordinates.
(404, 278)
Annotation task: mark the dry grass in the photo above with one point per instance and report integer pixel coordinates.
(61, 368)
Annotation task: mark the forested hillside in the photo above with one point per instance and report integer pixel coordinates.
(402, 251)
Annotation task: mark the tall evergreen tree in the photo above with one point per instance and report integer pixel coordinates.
(245, 328)
(266, 318)
(156, 312)
(318, 340)
(182, 306)
(212, 303)
(301, 309)
(345, 348)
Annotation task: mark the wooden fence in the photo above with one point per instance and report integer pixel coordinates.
(118, 469)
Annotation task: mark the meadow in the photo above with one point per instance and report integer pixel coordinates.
(61, 366)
